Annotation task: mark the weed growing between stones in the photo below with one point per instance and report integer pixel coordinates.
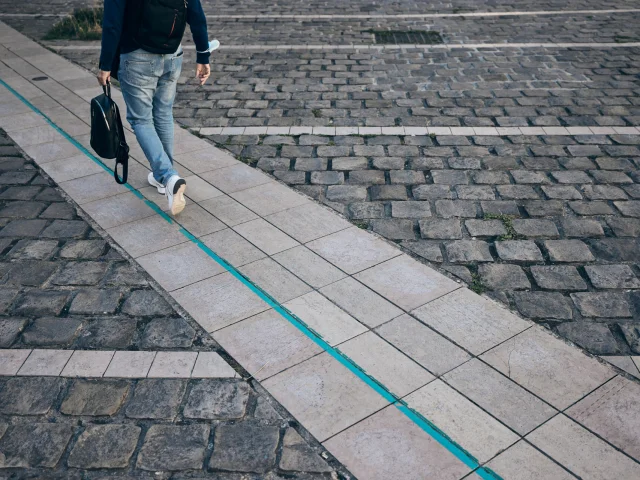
(507, 221)
(82, 24)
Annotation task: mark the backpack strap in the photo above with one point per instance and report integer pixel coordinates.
(122, 154)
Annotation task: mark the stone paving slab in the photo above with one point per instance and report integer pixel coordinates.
(330, 396)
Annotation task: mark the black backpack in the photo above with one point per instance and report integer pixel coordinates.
(107, 133)
(161, 25)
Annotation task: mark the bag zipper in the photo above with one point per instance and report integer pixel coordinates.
(175, 19)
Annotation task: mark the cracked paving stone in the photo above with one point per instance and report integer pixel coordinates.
(245, 447)
(95, 397)
(105, 446)
(297, 456)
(37, 445)
(157, 399)
(543, 305)
(171, 447)
(167, 333)
(146, 303)
(217, 400)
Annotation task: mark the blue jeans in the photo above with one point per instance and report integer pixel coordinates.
(148, 82)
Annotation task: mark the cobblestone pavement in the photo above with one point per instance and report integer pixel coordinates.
(63, 286)
(348, 323)
(547, 224)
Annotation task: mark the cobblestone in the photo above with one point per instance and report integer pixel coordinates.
(245, 447)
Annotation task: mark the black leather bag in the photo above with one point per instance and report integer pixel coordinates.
(107, 133)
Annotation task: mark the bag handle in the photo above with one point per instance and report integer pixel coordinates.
(107, 89)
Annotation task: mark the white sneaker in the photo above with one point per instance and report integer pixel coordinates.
(175, 194)
(154, 183)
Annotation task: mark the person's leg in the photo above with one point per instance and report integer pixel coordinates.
(163, 100)
(139, 76)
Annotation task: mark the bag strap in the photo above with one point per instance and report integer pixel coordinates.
(122, 154)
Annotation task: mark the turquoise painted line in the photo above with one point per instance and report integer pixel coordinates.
(431, 429)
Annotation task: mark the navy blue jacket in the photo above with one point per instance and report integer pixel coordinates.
(113, 35)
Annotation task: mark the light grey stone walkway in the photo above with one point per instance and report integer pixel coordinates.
(516, 398)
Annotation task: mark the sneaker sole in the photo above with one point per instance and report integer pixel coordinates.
(178, 200)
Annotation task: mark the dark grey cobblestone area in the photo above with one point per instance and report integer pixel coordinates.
(63, 286)
(539, 87)
(57, 428)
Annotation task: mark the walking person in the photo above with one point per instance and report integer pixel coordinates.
(147, 35)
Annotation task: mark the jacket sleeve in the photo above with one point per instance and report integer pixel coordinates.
(198, 23)
(111, 31)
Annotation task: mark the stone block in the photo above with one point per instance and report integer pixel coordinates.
(107, 333)
(602, 304)
(568, 251)
(535, 228)
(612, 276)
(297, 456)
(501, 276)
(34, 445)
(581, 227)
(440, 229)
(346, 193)
(388, 192)
(52, 331)
(519, 251)
(558, 277)
(432, 192)
(156, 398)
(544, 306)
(594, 337)
(456, 208)
(218, 400)
(96, 302)
(427, 250)
(163, 333)
(172, 447)
(105, 446)
(146, 303)
(95, 397)
(467, 251)
(80, 273)
(41, 303)
(245, 447)
(485, 228)
(10, 328)
(29, 395)
(394, 228)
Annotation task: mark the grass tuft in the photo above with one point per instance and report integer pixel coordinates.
(476, 284)
(82, 24)
(507, 221)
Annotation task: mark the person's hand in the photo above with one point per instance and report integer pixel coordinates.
(103, 78)
(203, 72)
